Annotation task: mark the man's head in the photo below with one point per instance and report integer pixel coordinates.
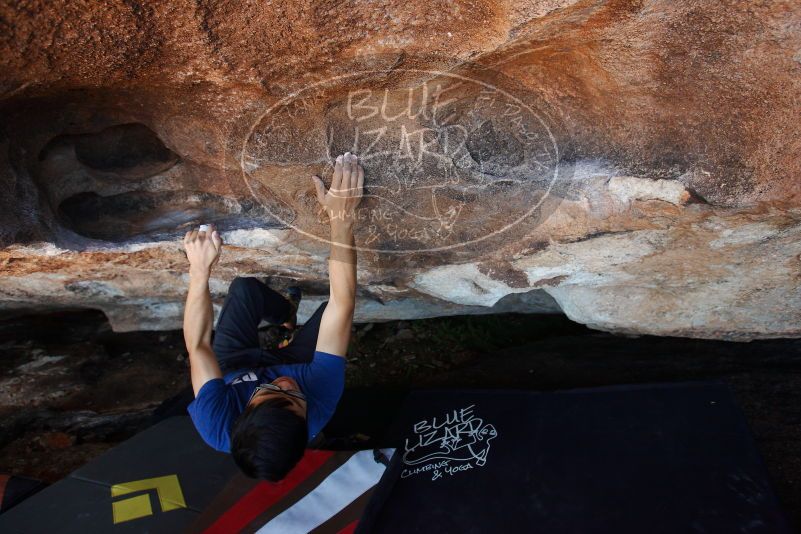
(269, 438)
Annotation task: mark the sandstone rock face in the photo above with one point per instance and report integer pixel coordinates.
(633, 164)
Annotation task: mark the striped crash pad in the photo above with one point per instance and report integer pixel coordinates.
(166, 479)
(326, 493)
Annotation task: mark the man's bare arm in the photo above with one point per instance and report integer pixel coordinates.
(203, 251)
(340, 202)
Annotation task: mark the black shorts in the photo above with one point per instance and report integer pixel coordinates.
(236, 338)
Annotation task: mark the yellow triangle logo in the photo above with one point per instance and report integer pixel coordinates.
(168, 490)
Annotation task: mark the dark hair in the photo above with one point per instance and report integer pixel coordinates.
(267, 439)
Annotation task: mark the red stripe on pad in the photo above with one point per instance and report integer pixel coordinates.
(266, 494)
(350, 529)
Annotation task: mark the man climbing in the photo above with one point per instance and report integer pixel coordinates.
(265, 406)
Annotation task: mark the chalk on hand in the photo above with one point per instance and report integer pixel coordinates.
(203, 228)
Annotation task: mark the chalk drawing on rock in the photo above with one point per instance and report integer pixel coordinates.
(453, 158)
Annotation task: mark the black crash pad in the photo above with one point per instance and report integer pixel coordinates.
(657, 459)
(15, 489)
(169, 454)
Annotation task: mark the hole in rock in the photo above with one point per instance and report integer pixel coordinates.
(160, 214)
(124, 149)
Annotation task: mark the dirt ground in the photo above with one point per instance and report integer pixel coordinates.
(58, 413)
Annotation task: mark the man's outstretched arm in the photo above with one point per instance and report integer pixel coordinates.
(203, 251)
(340, 201)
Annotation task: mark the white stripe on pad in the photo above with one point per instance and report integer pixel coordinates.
(360, 473)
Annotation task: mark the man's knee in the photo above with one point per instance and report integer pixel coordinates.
(242, 285)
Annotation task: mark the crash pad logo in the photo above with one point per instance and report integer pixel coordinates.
(443, 446)
(443, 150)
(168, 491)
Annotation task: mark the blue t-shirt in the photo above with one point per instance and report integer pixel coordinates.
(220, 401)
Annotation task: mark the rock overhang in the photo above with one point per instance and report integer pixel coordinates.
(674, 208)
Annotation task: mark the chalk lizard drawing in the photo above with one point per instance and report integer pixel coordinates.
(462, 437)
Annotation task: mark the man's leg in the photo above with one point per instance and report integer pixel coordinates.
(305, 340)
(236, 338)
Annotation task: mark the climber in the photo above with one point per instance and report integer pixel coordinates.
(264, 407)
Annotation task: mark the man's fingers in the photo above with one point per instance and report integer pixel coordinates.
(319, 187)
(360, 180)
(187, 236)
(354, 174)
(216, 239)
(347, 167)
(336, 181)
(193, 235)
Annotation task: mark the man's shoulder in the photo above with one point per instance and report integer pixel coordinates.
(210, 387)
(325, 376)
(217, 388)
(213, 411)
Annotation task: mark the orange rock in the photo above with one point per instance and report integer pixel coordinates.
(496, 136)
(58, 440)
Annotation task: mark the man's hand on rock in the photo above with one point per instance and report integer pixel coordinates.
(347, 186)
(202, 250)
